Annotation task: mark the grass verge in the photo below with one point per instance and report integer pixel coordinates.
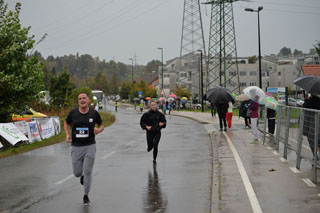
(107, 118)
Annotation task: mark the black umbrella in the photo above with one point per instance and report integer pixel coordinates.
(219, 95)
(309, 83)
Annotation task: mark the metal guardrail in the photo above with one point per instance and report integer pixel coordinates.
(298, 130)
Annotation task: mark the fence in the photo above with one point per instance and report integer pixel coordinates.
(298, 130)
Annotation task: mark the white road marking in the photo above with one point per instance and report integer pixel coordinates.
(309, 182)
(275, 152)
(128, 144)
(295, 170)
(283, 160)
(268, 147)
(108, 155)
(244, 176)
(64, 179)
(319, 195)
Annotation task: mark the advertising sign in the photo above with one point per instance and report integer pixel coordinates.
(46, 127)
(11, 133)
(33, 132)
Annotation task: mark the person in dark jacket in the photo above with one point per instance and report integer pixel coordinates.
(244, 107)
(271, 115)
(153, 121)
(309, 122)
(222, 109)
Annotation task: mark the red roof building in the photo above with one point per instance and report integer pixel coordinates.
(311, 70)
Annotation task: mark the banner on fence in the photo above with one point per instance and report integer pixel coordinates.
(1, 145)
(56, 122)
(33, 132)
(11, 133)
(22, 126)
(46, 127)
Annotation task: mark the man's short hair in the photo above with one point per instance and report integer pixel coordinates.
(84, 93)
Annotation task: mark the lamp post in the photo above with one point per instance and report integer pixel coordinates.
(131, 59)
(160, 48)
(201, 81)
(258, 10)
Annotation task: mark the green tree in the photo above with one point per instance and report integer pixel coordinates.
(317, 48)
(153, 65)
(252, 59)
(76, 92)
(21, 76)
(125, 89)
(182, 91)
(297, 53)
(60, 91)
(285, 51)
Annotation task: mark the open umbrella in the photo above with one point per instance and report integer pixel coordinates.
(173, 95)
(171, 99)
(309, 83)
(162, 99)
(136, 99)
(148, 98)
(184, 98)
(254, 93)
(242, 97)
(219, 95)
(272, 103)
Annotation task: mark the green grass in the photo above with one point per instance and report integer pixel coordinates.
(107, 118)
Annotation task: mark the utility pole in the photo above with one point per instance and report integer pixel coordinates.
(160, 48)
(201, 78)
(131, 71)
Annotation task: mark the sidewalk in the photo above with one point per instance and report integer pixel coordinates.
(254, 177)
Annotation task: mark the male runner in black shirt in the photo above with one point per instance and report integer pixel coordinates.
(83, 147)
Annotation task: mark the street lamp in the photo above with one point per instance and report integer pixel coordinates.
(252, 10)
(160, 48)
(201, 82)
(131, 59)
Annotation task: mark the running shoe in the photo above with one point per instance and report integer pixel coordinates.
(86, 200)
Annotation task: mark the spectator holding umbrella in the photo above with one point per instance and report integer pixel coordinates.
(254, 107)
(222, 109)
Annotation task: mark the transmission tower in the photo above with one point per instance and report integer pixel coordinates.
(222, 66)
(192, 40)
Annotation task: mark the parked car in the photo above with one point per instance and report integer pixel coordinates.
(300, 102)
(292, 102)
(27, 114)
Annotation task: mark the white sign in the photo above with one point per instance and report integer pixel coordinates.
(56, 122)
(11, 133)
(22, 126)
(33, 132)
(46, 127)
(1, 145)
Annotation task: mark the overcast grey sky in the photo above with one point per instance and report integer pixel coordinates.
(119, 29)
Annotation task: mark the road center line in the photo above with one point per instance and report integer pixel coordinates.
(108, 155)
(64, 179)
(244, 176)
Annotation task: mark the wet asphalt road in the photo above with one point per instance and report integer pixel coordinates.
(124, 178)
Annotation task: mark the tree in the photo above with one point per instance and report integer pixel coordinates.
(125, 90)
(317, 48)
(252, 59)
(21, 75)
(297, 53)
(285, 52)
(153, 65)
(182, 91)
(60, 91)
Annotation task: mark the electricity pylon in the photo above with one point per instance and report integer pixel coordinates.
(192, 40)
(222, 66)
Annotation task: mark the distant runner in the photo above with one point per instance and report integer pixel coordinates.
(153, 121)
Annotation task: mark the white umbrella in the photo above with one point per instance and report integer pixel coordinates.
(255, 93)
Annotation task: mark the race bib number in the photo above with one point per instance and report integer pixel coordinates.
(82, 132)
